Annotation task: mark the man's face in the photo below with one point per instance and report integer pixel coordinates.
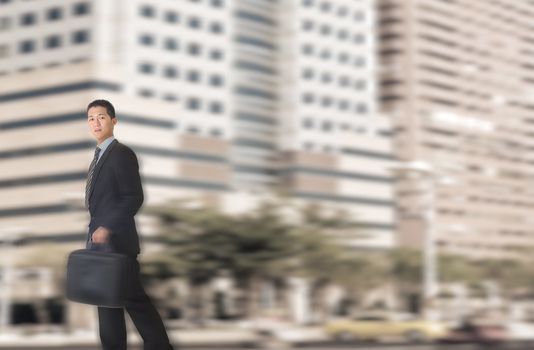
(100, 123)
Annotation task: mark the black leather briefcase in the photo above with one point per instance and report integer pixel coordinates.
(97, 278)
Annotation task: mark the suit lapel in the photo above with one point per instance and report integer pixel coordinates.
(100, 163)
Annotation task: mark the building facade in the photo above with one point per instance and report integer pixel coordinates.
(458, 84)
(216, 98)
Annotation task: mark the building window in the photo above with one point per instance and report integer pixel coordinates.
(216, 27)
(217, 3)
(146, 93)
(326, 6)
(216, 80)
(171, 44)
(307, 123)
(307, 25)
(194, 49)
(342, 11)
(170, 97)
(147, 11)
(170, 72)
(216, 55)
(326, 78)
(194, 22)
(216, 108)
(193, 76)
(358, 38)
(361, 108)
(308, 98)
(53, 42)
(54, 14)
(359, 61)
(80, 36)
(359, 16)
(307, 49)
(215, 132)
(146, 40)
(80, 9)
(308, 74)
(26, 46)
(28, 19)
(172, 17)
(326, 126)
(326, 30)
(193, 104)
(146, 68)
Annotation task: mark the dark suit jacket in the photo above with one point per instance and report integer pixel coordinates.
(116, 197)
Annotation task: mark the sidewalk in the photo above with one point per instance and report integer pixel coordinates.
(186, 338)
(223, 337)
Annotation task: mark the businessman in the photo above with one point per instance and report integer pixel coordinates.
(113, 195)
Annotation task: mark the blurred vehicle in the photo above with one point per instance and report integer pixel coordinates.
(482, 333)
(520, 332)
(385, 325)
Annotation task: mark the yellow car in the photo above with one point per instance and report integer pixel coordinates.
(382, 326)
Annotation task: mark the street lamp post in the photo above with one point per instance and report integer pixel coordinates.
(429, 256)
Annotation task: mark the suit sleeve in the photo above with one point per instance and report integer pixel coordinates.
(130, 191)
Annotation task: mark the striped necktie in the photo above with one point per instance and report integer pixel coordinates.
(89, 184)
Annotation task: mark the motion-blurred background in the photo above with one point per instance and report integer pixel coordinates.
(303, 160)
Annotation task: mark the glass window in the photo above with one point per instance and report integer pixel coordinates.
(80, 36)
(171, 44)
(216, 108)
(216, 27)
(216, 80)
(54, 14)
(193, 103)
(216, 55)
(28, 19)
(217, 3)
(194, 49)
(146, 68)
(146, 93)
(194, 22)
(326, 101)
(326, 6)
(147, 11)
(172, 17)
(146, 39)
(81, 9)
(26, 46)
(53, 41)
(170, 72)
(193, 76)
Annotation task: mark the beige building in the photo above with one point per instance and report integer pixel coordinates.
(457, 81)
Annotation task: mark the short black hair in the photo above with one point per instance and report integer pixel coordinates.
(103, 103)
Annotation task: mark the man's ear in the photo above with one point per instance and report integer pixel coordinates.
(114, 121)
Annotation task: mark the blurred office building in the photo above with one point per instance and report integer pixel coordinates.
(223, 101)
(457, 81)
(216, 97)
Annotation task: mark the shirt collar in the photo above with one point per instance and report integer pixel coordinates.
(105, 144)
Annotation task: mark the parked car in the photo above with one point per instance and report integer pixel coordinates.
(379, 326)
(471, 332)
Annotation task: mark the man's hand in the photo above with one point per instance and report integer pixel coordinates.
(101, 235)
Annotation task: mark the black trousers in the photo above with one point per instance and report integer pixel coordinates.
(143, 314)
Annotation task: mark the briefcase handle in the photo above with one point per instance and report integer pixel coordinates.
(101, 247)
